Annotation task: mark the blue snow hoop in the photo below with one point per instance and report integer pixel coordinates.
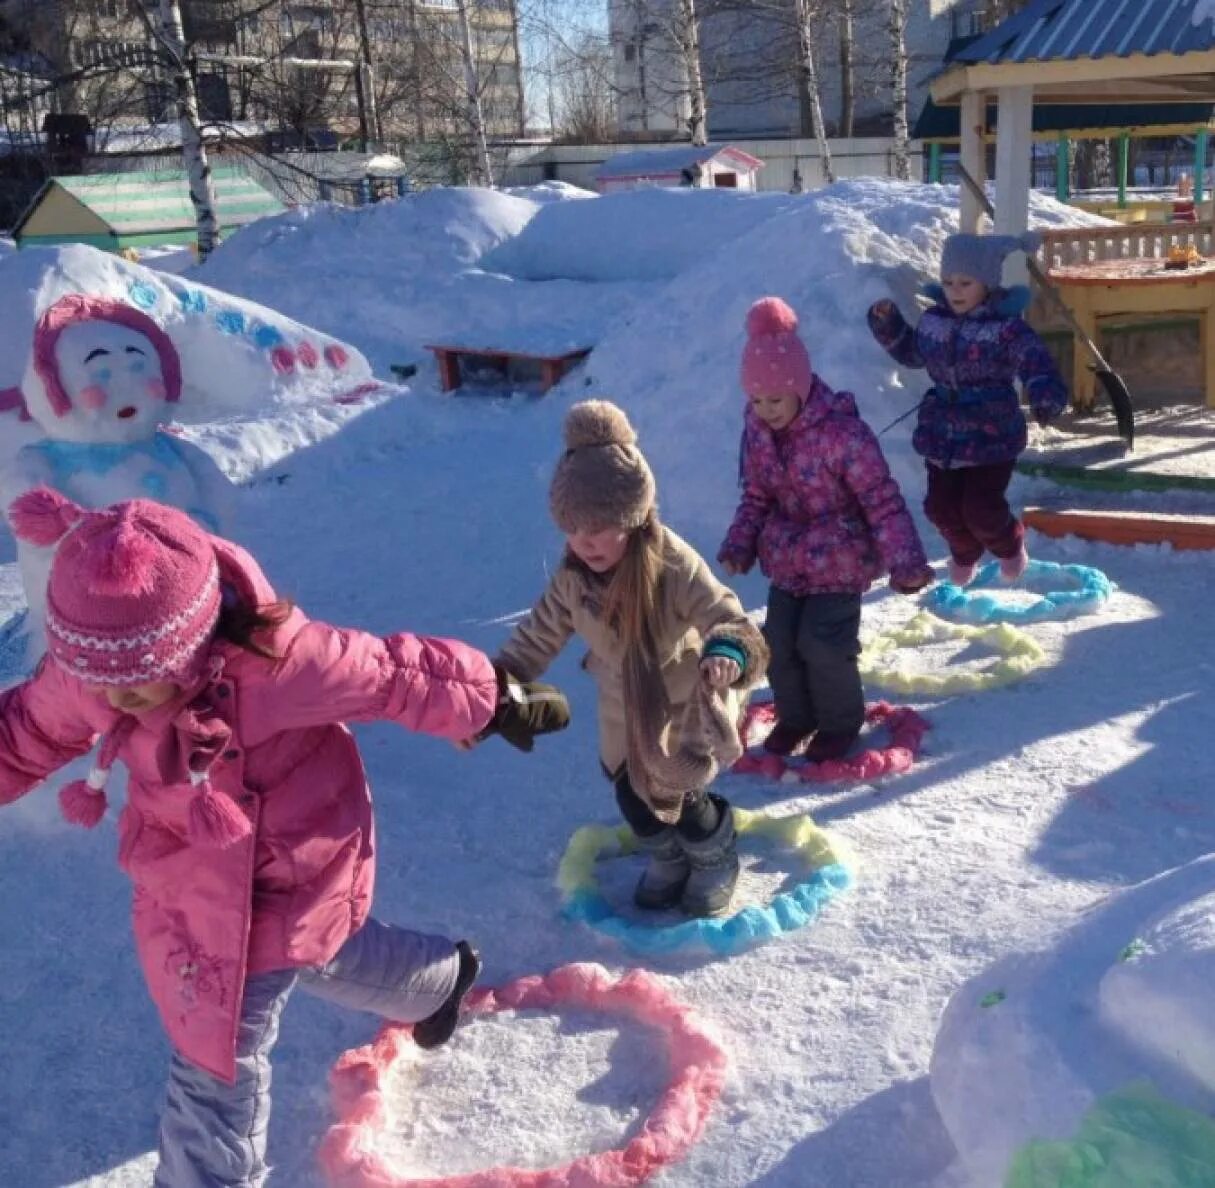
(972, 605)
(750, 926)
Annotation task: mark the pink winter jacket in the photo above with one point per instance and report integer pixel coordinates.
(273, 736)
(819, 507)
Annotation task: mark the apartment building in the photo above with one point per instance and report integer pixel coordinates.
(250, 57)
(753, 82)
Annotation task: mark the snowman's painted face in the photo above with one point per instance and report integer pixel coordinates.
(112, 376)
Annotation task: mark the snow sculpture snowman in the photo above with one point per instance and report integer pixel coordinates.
(101, 382)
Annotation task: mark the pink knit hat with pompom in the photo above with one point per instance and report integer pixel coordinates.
(775, 359)
(133, 595)
(133, 599)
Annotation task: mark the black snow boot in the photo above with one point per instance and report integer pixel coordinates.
(714, 862)
(436, 1029)
(662, 882)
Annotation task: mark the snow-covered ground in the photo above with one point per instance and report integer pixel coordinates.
(429, 513)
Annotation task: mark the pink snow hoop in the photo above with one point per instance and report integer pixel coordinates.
(906, 727)
(351, 1155)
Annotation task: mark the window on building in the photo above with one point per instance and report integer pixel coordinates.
(158, 100)
(630, 52)
(214, 97)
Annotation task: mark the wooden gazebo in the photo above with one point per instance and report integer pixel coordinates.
(1070, 52)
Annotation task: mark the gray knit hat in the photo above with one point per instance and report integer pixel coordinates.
(602, 480)
(982, 256)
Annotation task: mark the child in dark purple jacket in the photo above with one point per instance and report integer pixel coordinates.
(825, 518)
(974, 344)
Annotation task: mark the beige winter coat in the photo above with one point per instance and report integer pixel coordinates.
(693, 607)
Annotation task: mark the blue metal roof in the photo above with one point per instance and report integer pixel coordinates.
(1064, 30)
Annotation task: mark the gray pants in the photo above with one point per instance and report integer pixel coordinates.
(815, 641)
(212, 1134)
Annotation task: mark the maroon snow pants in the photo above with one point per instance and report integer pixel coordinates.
(969, 508)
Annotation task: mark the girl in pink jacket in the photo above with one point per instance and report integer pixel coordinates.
(825, 518)
(248, 829)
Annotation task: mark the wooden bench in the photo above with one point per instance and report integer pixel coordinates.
(552, 367)
(1125, 528)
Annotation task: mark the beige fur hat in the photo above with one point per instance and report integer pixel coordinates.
(602, 480)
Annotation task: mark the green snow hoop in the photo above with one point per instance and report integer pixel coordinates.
(1018, 655)
(750, 926)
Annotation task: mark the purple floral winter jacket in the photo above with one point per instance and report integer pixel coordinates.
(819, 506)
(971, 416)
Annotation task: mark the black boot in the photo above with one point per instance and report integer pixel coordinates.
(662, 882)
(436, 1029)
(714, 862)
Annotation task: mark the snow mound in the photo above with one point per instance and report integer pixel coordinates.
(1038, 1048)
(435, 230)
(830, 254)
(405, 274)
(636, 235)
(550, 191)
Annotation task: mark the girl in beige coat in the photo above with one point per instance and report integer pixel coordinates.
(672, 652)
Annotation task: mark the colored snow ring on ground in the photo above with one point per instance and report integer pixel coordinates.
(1018, 654)
(972, 605)
(906, 727)
(696, 1060)
(750, 926)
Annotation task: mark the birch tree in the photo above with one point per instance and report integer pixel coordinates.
(847, 35)
(805, 14)
(475, 114)
(898, 49)
(687, 37)
(182, 69)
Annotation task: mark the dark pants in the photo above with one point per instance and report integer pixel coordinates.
(814, 642)
(700, 816)
(969, 508)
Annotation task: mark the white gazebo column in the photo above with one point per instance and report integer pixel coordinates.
(1014, 166)
(973, 154)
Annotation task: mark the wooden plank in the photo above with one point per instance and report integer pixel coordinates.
(1113, 478)
(1125, 528)
(498, 353)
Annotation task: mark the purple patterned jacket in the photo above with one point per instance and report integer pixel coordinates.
(971, 416)
(819, 506)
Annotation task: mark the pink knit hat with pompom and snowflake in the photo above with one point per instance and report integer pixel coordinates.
(133, 595)
(133, 599)
(775, 359)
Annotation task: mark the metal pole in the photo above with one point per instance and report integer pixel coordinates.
(1200, 164)
(1124, 160)
(1063, 169)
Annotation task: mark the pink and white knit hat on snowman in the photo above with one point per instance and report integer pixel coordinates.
(775, 359)
(133, 599)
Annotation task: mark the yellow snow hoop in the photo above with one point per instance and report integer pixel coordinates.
(1019, 654)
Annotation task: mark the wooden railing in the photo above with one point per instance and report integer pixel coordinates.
(1083, 245)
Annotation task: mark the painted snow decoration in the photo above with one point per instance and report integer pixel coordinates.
(1089, 591)
(237, 358)
(1104, 1043)
(354, 1153)
(906, 729)
(1018, 655)
(823, 876)
(112, 353)
(1204, 10)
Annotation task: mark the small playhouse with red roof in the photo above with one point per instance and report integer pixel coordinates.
(696, 166)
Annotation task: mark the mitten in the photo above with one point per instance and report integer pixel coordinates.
(525, 710)
(911, 583)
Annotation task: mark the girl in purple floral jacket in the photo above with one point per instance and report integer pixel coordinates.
(974, 344)
(825, 518)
